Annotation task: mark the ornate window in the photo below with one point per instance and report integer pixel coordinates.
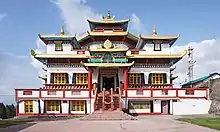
(60, 78)
(81, 78)
(139, 105)
(78, 105)
(58, 46)
(134, 78)
(53, 105)
(28, 106)
(158, 78)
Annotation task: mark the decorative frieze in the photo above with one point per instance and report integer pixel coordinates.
(151, 65)
(64, 65)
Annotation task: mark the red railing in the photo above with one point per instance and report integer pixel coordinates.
(96, 97)
(65, 86)
(119, 99)
(103, 99)
(130, 86)
(112, 101)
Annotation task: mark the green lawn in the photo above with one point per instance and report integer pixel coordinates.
(23, 120)
(10, 122)
(213, 123)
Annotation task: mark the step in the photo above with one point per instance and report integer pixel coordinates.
(108, 115)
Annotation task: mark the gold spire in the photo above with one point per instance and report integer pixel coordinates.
(109, 15)
(62, 31)
(154, 31)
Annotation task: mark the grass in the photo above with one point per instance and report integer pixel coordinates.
(10, 122)
(23, 120)
(213, 123)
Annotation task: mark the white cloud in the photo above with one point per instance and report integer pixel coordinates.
(75, 14)
(16, 72)
(2, 16)
(136, 26)
(206, 54)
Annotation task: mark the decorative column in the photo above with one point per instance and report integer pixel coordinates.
(126, 81)
(90, 82)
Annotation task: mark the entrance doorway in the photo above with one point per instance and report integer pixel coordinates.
(165, 107)
(108, 82)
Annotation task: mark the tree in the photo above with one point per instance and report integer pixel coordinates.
(3, 114)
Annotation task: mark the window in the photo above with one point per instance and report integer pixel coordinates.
(78, 105)
(51, 92)
(58, 46)
(60, 78)
(53, 105)
(134, 78)
(157, 78)
(157, 47)
(75, 92)
(139, 92)
(81, 78)
(139, 105)
(28, 106)
(27, 92)
(157, 44)
(189, 92)
(164, 92)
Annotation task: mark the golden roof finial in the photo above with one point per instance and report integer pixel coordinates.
(109, 15)
(154, 30)
(62, 31)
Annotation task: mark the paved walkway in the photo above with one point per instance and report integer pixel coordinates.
(144, 124)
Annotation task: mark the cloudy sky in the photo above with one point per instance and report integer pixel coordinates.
(196, 21)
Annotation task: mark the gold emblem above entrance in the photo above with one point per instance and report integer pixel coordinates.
(108, 71)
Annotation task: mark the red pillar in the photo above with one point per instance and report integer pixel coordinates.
(126, 81)
(90, 82)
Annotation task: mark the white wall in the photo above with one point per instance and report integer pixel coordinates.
(191, 106)
(157, 106)
(65, 107)
(150, 49)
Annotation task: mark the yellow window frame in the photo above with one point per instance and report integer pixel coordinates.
(134, 78)
(157, 78)
(28, 106)
(60, 78)
(81, 78)
(53, 105)
(58, 46)
(77, 105)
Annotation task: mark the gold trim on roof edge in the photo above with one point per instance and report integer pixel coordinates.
(108, 64)
(159, 55)
(44, 77)
(43, 55)
(107, 34)
(104, 21)
(160, 37)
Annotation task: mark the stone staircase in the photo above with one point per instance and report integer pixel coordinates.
(108, 115)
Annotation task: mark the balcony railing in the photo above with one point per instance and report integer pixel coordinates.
(131, 86)
(65, 86)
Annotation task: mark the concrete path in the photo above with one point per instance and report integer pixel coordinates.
(144, 124)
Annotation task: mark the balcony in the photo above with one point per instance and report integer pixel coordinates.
(175, 93)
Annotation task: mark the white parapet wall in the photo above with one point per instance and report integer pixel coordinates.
(191, 106)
